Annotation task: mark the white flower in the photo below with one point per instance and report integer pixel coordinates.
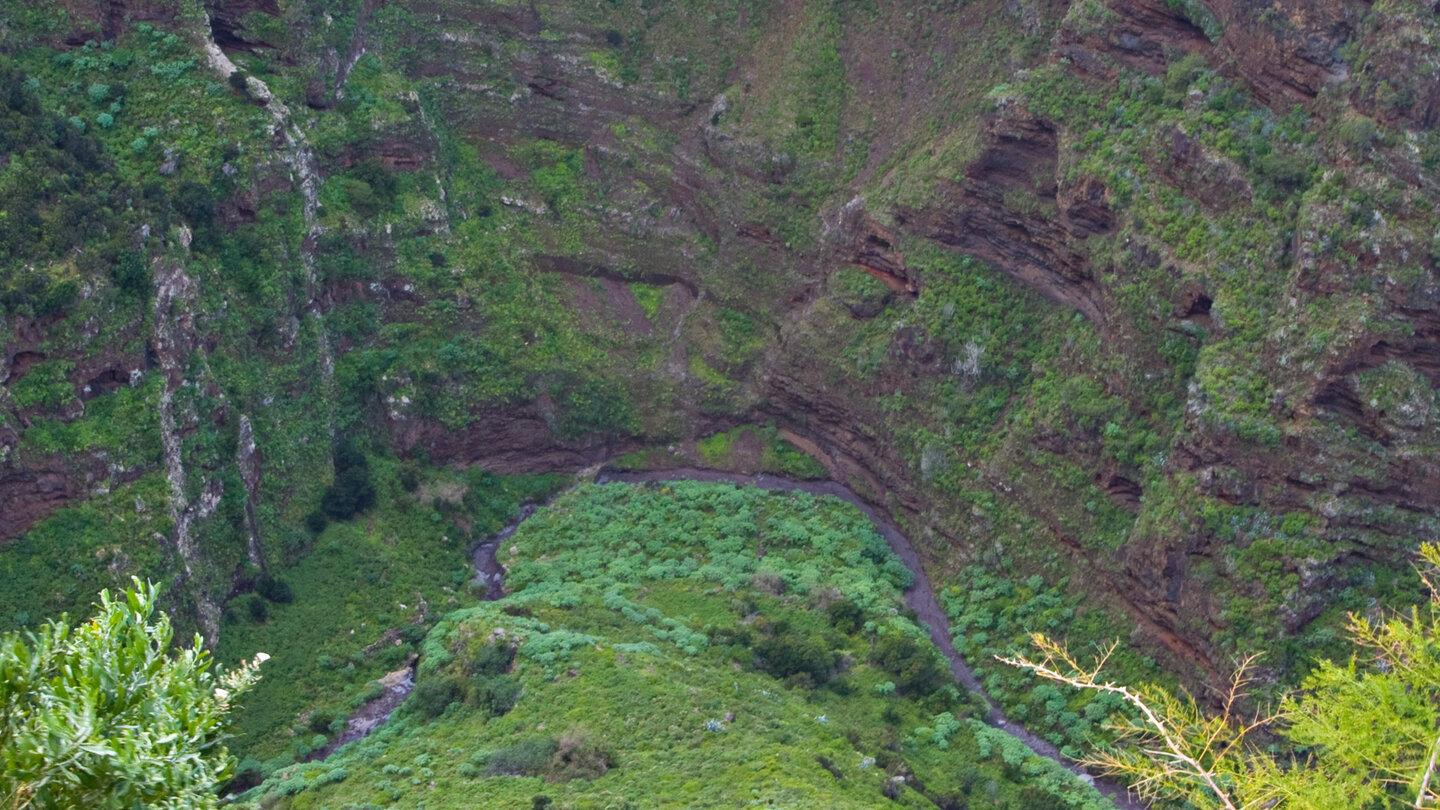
(262, 657)
(221, 693)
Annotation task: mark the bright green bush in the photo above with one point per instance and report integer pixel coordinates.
(108, 714)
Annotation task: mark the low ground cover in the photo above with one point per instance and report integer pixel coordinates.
(685, 644)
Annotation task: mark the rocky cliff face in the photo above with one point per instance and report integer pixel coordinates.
(1156, 280)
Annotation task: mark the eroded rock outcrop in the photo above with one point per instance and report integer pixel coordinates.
(1005, 212)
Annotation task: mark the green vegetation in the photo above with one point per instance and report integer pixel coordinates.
(1198, 15)
(648, 296)
(1366, 725)
(745, 449)
(107, 715)
(685, 644)
(64, 560)
(360, 599)
(733, 448)
(259, 322)
(861, 292)
(353, 490)
(991, 616)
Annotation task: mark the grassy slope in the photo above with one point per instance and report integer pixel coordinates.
(363, 598)
(640, 614)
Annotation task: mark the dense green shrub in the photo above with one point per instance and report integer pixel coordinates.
(1358, 134)
(433, 696)
(58, 298)
(316, 521)
(918, 670)
(491, 659)
(1287, 173)
(738, 636)
(786, 654)
(496, 694)
(845, 616)
(371, 188)
(524, 758)
(196, 204)
(320, 721)
(273, 589)
(354, 489)
(46, 386)
(88, 201)
(130, 275)
(409, 476)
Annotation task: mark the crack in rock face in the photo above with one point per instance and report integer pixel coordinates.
(174, 340)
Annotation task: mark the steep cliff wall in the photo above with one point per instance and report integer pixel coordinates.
(1134, 288)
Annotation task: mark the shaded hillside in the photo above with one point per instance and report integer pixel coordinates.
(1133, 292)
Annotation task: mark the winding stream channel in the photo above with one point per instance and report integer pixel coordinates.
(920, 598)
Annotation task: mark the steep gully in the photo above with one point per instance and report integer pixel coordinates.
(175, 340)
(920, 598)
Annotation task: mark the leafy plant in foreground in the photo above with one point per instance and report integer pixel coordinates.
(107, 715)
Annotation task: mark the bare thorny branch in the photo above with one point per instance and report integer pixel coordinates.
(1174, 755)
(1173, 743)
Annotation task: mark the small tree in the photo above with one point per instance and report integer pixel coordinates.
(354, 489)
(108, 715)
(1371, 725)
